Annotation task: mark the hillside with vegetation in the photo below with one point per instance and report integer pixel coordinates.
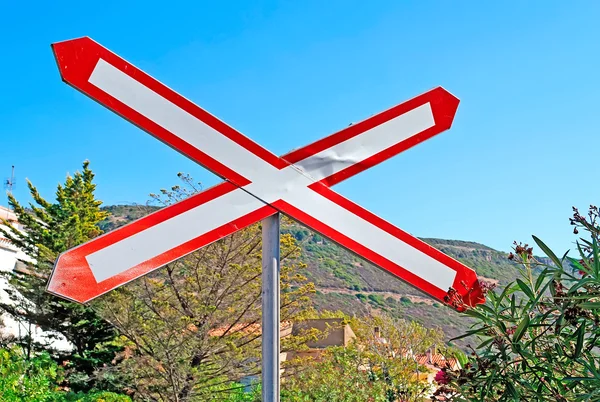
(349, 284)
(346, 282)
(538, 337)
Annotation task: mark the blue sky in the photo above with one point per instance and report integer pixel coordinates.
(520, 154)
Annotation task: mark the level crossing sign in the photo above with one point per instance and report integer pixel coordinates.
(257, 184)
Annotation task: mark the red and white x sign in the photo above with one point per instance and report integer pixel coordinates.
(258, 184)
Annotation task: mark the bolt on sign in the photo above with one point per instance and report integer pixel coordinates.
(257, 184)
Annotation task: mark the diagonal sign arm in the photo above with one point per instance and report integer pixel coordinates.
(107, 261)
(382, 243)
(131, 93)
(376, 139)
(128, 91)
(133, 250)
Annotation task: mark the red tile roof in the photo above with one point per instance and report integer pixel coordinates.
(437, 360)
(245, 329)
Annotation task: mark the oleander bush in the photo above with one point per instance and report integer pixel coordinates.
(540, 335)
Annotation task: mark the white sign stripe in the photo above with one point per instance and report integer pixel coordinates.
(176, 120)
(196, 133)
(268, 183)
(169, 234)
(161, 238)
(372, 237)
(367, 144)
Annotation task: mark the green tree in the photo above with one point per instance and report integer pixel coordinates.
(38, 379)
(379, 366)
(540, 336)
(51, 228)
(192, 328)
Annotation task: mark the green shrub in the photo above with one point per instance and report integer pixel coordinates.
(377, 299)
(540, 335)
(40, 379)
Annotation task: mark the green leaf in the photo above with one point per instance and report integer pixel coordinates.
(520, 331)
(476, 314)
(487, 309)
(472, 332)
(596, 262)
(502, 296)
(591, 367)
(485, 343)
(559, 351)
(579, 346)
(541, 292)
(513, 304)
(579, 379)
(590, 305)
(513, 391)
(526, 289)
(582, 282)
(548, 252)
(541, 278)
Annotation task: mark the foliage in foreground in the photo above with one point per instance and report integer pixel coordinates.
(540, 336)
(54, 227)
(187, 332)
(377, 367)
(192, 328)
(36, 379)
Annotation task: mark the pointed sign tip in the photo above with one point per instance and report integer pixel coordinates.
(444, 106)
(476, 296)
(71, 278)
(472, 298)
(76, 58)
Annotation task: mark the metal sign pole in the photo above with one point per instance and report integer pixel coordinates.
(270, 309)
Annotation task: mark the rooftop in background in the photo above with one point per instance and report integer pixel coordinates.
(337, 332)
(437, 360)
(10, 216)
(7, 214)
(285, 328)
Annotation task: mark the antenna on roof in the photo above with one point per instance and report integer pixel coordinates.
(9, 184)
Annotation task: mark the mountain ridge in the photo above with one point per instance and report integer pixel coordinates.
(345, 282)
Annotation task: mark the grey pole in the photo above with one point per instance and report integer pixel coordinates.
(270, 309)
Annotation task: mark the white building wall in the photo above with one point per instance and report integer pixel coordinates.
(9, 255)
